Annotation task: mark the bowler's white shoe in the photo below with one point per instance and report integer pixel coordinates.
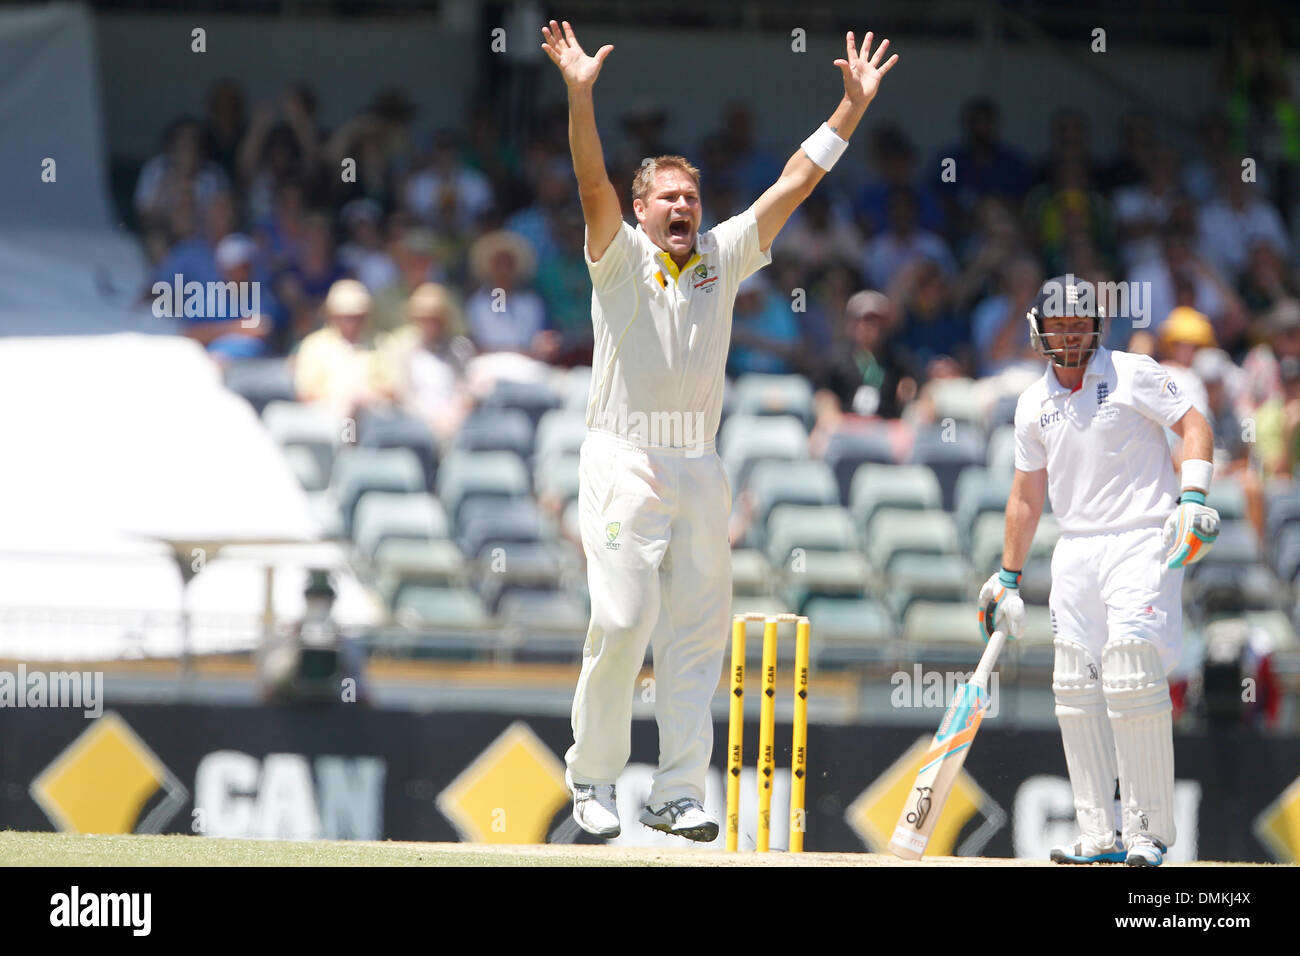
(1144, 851)
(1083, 850)
(684, 817)
(595, 807)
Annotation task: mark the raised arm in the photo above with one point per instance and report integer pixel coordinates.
(600, 205)
(801, 175)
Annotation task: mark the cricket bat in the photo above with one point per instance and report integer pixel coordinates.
(944, 759)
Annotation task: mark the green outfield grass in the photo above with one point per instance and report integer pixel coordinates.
(65, 849)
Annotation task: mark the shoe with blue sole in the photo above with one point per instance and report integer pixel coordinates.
(1144, 851)
(1084, 851)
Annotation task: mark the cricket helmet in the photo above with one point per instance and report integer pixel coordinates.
(1067, 296)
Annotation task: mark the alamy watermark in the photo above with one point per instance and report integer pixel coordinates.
(682, 430)
(83, 690)
(936, 689)
(1079, 297)
(207, 300)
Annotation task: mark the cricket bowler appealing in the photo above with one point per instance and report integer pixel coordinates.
(654, 507)
(1092, 431)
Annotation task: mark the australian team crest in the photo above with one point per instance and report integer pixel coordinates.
(704, 277)
(611, 532)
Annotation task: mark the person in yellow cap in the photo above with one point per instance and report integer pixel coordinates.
(1180, 336)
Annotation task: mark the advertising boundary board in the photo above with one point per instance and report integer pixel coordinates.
(346, 772)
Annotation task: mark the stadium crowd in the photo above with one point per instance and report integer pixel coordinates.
(399, 271)
(471, 243)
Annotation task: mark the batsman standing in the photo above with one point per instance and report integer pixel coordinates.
(654, 506)
(1092, 431)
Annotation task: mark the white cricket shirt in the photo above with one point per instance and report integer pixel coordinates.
(1103, 444)
(662, 334)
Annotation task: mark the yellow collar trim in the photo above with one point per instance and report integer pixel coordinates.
(671, 267)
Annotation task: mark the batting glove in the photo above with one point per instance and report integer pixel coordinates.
(1190, 531)
(1001, 608)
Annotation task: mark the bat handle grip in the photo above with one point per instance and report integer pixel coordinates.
(980, 678)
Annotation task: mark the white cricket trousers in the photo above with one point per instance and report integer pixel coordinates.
(1109, 585)
(654, 530)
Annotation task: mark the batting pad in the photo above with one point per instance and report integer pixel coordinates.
(1086, 735)
(1141, 714)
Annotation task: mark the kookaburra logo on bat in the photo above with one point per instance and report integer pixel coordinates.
(922, 810)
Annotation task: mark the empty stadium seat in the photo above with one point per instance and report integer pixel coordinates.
(324, 508)
(317, 428)
(557, 476)
(979, 491)
(382, 515)
(403, 562)
(493, 474)
(359, 470)
(577, 389)
(395, 429)
(893, 532)
(928, 577)
(958, 399)
(1003, 412)
(988, 535)
(747, 440)
(497, 429)
(560, 432)
(812, 528)
(1228, 499)
(948, 450)
(1036, 581)
(893, 486)
(1237, 544)
(1258, 584)
(1001, 457)
(790, 482)
(528, 566)
(750, 573)
(843, 574)
(445, 607)
(930, 622)
(757, 393)
(306, 467)
(838, 619)
(549, 610)
(531, 398)
(487, 523)
(848, 450)
(261, 381)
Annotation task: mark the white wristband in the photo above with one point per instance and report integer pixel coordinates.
(824, 147)
(1197, 473)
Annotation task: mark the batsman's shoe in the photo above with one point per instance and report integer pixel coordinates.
(1144, 851)
(1084, 850)
(684, 817)
(595, 807)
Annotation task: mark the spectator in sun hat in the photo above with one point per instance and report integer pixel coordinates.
(504, 313)
(417, 256)
(424, 361)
